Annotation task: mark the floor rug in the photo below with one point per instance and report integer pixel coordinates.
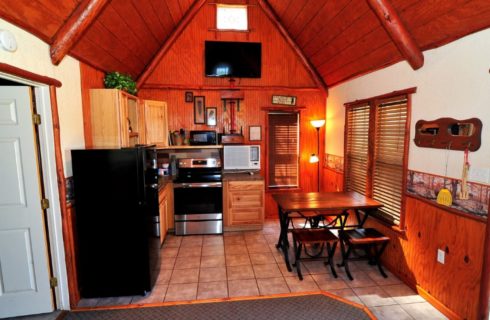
(298, 307)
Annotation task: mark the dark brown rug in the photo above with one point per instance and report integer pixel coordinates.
(307, 307)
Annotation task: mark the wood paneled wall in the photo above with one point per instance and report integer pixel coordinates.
(454, 286)
(184, 62)
(182, 69)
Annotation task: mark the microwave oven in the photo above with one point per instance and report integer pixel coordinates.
(202, 137)
(242, 157)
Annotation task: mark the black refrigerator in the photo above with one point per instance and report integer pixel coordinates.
(115, 194)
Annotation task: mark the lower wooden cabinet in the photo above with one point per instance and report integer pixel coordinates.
(243, 204)
(166, 209)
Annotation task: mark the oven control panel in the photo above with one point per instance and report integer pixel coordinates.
(200, 163)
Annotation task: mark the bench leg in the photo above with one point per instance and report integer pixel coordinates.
(377, 255)
(298, 261)
(345, 258)
(330, 253)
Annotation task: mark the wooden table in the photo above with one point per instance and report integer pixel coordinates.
(336, 203)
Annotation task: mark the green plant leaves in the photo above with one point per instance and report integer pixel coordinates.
(120, 81)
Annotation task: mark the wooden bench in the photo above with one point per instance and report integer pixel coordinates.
(371, 240)
(322, 238)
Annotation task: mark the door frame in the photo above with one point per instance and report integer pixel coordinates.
(53, 173)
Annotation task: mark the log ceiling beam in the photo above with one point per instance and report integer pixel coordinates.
(79, 21)
(266, 7)
(189, 15)
(399, 34)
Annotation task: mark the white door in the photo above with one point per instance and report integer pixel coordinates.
(24, 273)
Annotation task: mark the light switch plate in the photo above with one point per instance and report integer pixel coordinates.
(441, 255)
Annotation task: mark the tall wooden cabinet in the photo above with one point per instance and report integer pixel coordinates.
(156, 128)
(243, 204)
(117, 119)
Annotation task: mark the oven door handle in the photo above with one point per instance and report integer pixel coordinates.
(197, 185)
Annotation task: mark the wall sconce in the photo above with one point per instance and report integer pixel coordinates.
(315, 158)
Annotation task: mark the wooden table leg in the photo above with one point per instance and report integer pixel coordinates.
(283, 237)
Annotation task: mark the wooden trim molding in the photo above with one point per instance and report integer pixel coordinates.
(398, 32)
(437, 304)
(70, 32)
(67, 231)
(21, 73)
(383, 96)
(266, 7)
(191, 87)
(170, 41)
(283, 109)
(406, 152)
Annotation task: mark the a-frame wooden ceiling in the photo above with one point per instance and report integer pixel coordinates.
(340, 39)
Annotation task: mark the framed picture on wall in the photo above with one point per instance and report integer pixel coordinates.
(254, 133)
(211, 116)
(189, 97)
(199, 110)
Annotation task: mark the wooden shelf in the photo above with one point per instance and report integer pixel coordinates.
(160, 147)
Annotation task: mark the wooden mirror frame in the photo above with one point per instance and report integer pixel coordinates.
(441, 137)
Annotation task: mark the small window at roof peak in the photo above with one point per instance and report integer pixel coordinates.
(231, 17)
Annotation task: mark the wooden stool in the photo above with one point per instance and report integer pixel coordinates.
(369, 239)
(320, 236)
(307, 218)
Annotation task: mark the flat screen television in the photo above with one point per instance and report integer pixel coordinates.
(233, 59)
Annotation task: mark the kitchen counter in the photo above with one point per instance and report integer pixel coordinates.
(241, 176)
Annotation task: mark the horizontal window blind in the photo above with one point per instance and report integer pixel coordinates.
(283, 144)
(390, 131)
(357, 147)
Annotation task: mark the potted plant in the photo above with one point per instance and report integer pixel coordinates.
(120, 81)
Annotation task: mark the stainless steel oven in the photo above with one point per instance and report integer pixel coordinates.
(198, 197)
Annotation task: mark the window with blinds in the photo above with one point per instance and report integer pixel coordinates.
(357, 147)
(283, 150)
(382, 154)
(390, 128)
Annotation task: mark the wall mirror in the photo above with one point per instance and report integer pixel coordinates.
(449, 133)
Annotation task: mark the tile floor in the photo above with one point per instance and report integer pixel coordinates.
(239, 264)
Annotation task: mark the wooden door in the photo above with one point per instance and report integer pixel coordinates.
(24, 269)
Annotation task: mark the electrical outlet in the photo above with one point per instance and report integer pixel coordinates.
(479, 175)
(441, 255)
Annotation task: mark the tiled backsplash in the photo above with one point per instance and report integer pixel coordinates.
(334, 162)
(427, 185)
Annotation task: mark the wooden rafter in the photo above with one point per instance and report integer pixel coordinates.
(398, 32)
(266, 7)
(170, 41)
(66, 37)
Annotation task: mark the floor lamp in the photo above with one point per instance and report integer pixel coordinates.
(315, 158)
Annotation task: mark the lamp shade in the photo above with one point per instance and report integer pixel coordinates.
(317, 123)
(314, 158)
